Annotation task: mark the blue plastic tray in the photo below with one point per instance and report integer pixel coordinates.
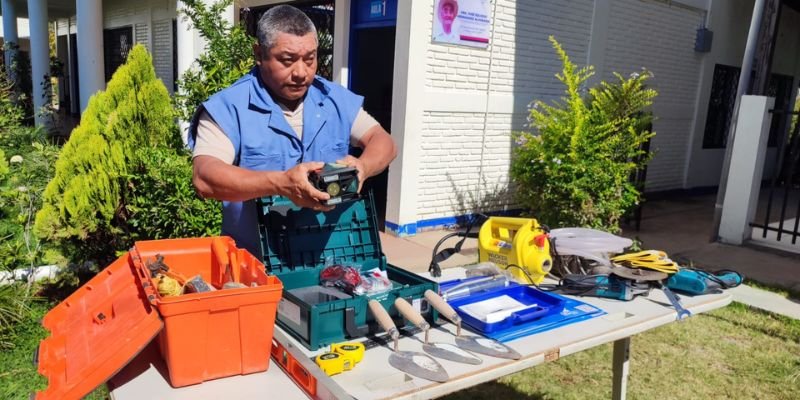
(573, 311)
(541, 305)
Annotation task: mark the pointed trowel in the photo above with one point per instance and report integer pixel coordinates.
(413, 363)
(444, 351)
(476, 344)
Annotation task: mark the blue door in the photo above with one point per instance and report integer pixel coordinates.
(371, 59)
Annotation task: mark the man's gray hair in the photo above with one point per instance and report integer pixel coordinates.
(283, 19)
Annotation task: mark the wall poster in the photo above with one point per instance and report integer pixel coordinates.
(462, 22)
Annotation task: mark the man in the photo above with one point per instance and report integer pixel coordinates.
(263, 135)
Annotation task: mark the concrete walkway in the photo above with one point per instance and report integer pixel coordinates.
(681, 226)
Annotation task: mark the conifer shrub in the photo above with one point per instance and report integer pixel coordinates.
(574, 168)
(93, 205)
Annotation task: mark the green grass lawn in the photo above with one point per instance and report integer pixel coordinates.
(731, 353)
(18, 375)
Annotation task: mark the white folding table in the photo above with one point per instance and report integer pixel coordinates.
(373, 378)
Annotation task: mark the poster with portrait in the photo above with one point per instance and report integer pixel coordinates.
(462, 22)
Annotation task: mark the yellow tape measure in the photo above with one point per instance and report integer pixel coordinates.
(354, 351)
(333, 363)
(343, 357)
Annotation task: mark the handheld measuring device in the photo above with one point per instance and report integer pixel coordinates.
(342, 357)
(339, 181)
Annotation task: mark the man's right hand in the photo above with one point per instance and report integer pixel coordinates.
(297, 188)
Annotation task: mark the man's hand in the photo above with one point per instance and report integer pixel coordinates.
(297, 188)
(351, 161)
(379, 151)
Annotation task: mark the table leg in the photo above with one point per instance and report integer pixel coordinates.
(622, 349)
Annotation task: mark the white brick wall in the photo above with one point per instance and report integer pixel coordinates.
(464, 164)
(451, 150)
(524, 60)
(661, 38)
(162, 53)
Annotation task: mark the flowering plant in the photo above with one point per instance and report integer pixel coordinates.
(574, 169)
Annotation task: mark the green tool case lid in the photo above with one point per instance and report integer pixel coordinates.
(294, 238)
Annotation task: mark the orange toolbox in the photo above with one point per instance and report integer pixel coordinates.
(97, 330)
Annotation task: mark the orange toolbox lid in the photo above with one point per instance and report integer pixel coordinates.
(95, 332)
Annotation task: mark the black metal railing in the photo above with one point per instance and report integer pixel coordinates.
(784, 186)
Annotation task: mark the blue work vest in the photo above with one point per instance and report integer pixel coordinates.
(263, 140)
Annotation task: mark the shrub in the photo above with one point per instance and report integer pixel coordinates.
(26, 165)
(227, 57)
(84, 204)
(123, 175)
(23, 87)
(163, 202)
(11, 113)
(21, 195)
(575, 171)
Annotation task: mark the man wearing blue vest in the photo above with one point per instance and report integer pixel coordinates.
(263, 135)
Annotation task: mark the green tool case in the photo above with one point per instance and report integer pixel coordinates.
(297, 242)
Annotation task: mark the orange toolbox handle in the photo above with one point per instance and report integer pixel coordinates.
(143, 274)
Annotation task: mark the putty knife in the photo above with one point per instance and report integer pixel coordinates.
(413, 363)
(482, 345)
(444, 351)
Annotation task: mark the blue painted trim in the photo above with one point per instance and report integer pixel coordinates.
(412, 228)
(402, 230)
(443, 222)
(460, 220)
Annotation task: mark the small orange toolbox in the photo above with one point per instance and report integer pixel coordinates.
(97, 330)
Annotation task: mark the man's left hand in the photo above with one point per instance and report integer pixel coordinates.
(379, 151)
(351, 161)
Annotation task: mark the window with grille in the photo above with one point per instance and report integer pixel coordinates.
(117, 43)
(723, 98)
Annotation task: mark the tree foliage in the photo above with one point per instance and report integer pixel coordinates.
(575, 168)
(84, 204)
(227, 57)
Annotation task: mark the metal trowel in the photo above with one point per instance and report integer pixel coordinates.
(444, 351)
(481, 345)
(413, 363)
